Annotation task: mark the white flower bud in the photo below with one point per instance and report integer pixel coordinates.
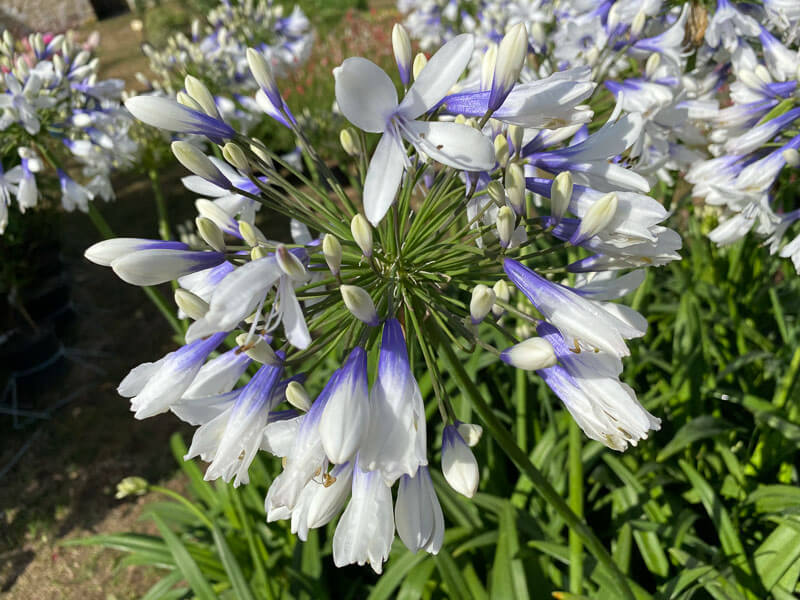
(506, 219)
(471, 433)
(459, 466)
(251, 235)
(362, 234)
(612, 20)
(510, 57)
(262, 73)
(258, 252)
(481, 303)
(348, 142)
(420, 60)
(235, 156)
(515, 132)
(792, 157)
(749, 78)
(637, 26)
(762, 73)
(496, 193)
(530, 355)
(653, 61)
(515, 187)
(560, 194)
(38, 44)
(198, 163)
(401, 45)
(503, 293)
(199, 92)
(211, 233)
(501, 149)
(597, 217)
(257, 348)
(332, 250)
(487, 67)
(261, 154)
(191, 304)
(58, 64)
(360, 304)
(290, 264)
(297, 396)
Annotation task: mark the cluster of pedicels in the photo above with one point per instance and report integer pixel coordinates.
(717, 89)
(478, 213)
(215, 52)
(59, 124)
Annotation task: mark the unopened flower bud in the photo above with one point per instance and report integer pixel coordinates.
(297, 396)
(257, 348)
(211, 233)
(481, 303)
(199, 92)
(401, 45)
(199, 164)
(262, 73)
(258, 252)
(653, 61)
(38, 44)
(502, 293)
(420, 61)
(637, 26)
(506, 219)
(191, 304)
(131, 486)
(530, 355)
(261, 154)
(348, 142)
(290, 264)
(560, 194)
(510, 57)
(496, 193)
(515, 133)
(596, 218)
(359, 302)
(470, 433)
(792, 157)
(762, 73)
(460, 119)
(362, 234)
(250, 234)
(459, 466)
(501, 149)
(612, 20)
(487, 67)
(235, 157)
(515, 187)
(332, 250)
(59, 65)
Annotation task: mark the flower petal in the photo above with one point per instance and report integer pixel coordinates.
(383, 177)
(452, 144)
(439, 75)
(365, 94)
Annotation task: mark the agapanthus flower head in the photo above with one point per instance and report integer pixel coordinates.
(440, 239)
(61, 125)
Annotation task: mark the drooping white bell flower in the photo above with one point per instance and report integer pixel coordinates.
(418, 514)
(395, 444)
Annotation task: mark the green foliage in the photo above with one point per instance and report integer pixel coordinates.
(708, 507)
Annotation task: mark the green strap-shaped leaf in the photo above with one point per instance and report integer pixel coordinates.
(185, 563)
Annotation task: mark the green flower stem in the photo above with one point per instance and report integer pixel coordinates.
(178, 498)
(104, 229)
(161, 205)
(787, 382)
(540, 483)
(576, 504)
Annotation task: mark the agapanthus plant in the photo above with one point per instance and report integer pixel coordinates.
(439, 247)
(215, 52)
(61, 126)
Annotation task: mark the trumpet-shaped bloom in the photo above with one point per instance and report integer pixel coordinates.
(418, 514)
(367, 97)
(395, 444)
(366, 530)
